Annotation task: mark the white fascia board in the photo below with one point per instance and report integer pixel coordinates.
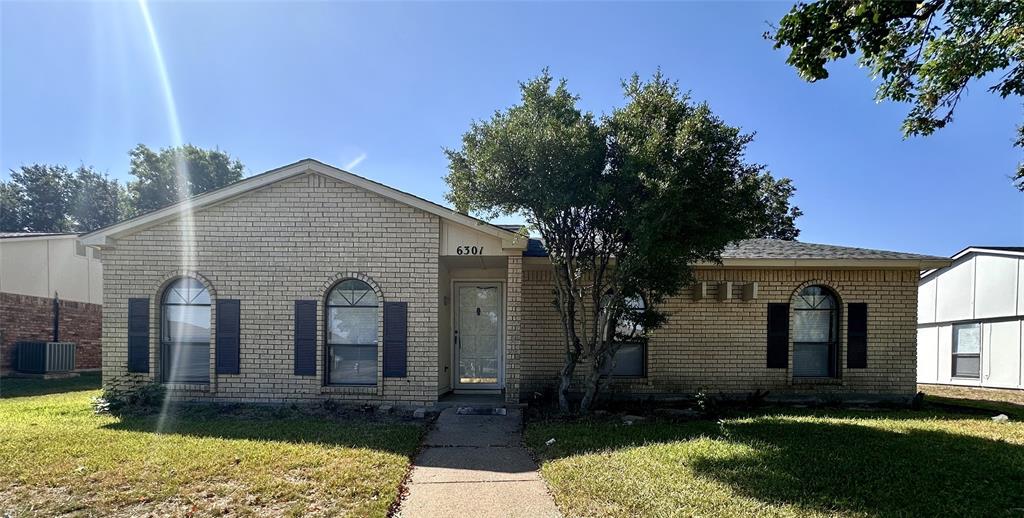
(971, 250)
(38, 238)
(992, 251)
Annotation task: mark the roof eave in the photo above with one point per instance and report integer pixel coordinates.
(907, 264)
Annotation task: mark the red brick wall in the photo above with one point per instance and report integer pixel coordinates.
(24, 317)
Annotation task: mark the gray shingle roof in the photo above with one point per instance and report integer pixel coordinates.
(779, 249)
(785, 250)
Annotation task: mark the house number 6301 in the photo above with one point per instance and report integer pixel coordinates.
(469, 250)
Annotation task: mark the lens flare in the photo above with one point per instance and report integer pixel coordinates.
(188, 253)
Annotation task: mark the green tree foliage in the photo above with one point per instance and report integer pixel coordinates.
(98, 200)
(44, 195)
(925, 53)
(625, 204)
(10, 207)
(172, 174)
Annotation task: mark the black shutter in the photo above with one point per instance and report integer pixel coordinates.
(305, 338)
(395, 339)
(228, 323)
(778, 335)
(138, 335)
(857, 336)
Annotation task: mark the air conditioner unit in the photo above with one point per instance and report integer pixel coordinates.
(44, 357)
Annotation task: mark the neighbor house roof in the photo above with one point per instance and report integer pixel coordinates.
(105, 236)
(1013, 251)
(24, 235)
(777, 252)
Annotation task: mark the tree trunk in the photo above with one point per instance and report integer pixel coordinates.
(564, 381)
(594, 378)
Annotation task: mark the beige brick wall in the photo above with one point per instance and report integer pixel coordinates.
(720, 346)
(513, 330)
(288, 241)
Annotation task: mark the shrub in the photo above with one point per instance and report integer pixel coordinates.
(140, 399)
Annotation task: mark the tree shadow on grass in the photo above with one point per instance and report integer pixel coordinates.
(839, 467)
(832, 467)
(279, 425)
(11, 387)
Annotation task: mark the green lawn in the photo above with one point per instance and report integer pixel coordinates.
(58, 458)
(787, 463)
(19, 387)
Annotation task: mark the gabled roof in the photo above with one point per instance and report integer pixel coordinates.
(777, 252)
(103, 236)
(999, 250)
(1011, 251)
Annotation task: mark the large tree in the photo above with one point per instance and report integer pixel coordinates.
(98, 200)
(625, 204)
(10, 207)
(171, 174)
(43, 193)
(925, 53)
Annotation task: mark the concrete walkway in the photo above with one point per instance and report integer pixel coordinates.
(476, 466)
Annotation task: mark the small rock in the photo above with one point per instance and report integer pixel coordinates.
(1001, 418)
(384, 409)
(550, 441)
(630, 419)
(419, 413)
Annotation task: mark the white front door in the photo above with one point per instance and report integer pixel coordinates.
(478, 336)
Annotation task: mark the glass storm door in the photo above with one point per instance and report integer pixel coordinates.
(478, 335)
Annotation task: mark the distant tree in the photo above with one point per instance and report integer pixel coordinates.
(625, 204)
(157, 174)
(771, 215)
(924, 51)
(10, 207)
(45, 197)
(97, 200)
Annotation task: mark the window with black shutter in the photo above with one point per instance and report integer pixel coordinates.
(778, 335)
(396, 337)
(228, 324)
(857, 335)
(138, 335)
(305, 338)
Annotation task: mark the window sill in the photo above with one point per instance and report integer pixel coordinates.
(201, 387)
(349, 389)
(816, 381)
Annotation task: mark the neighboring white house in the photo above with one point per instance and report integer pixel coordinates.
(970, 317)
(35, 267)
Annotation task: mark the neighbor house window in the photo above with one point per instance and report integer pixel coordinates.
(816, 326)
(352, 334)
(631, 357)
(967, 350)
(185, 332)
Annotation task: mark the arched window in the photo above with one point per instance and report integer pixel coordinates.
(816, 328)
(352, 334)
(185, 332)
(631, 357)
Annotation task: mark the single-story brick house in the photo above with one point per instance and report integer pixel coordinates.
(308, 282)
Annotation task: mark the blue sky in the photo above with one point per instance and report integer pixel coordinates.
(382, 87)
